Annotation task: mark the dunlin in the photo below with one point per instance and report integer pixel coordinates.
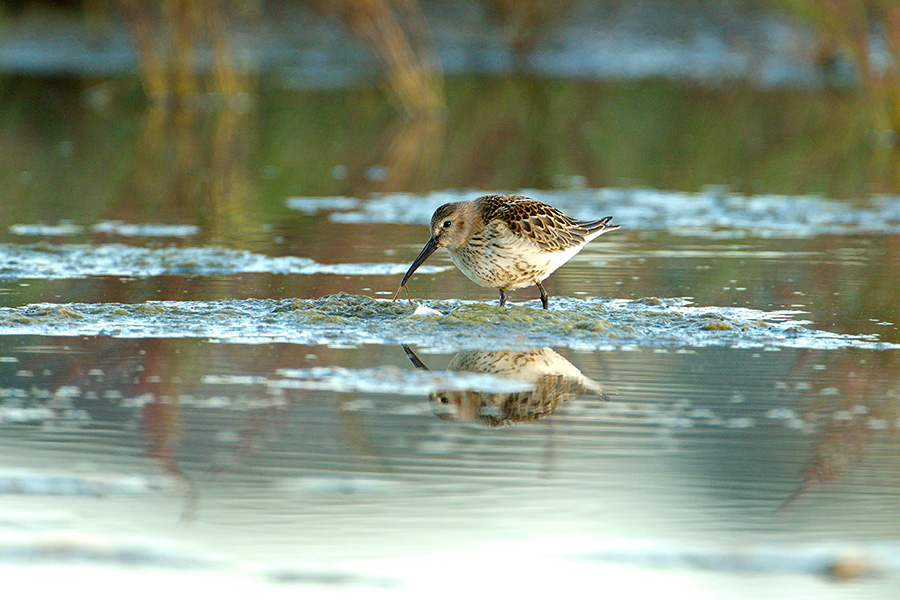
(507, 242)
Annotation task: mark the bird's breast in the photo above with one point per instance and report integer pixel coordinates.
(506, 262)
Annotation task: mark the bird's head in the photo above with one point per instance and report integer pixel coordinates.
(451, 224)
(451, 227)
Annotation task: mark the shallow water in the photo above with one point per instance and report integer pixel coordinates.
(202, 374)
(712, 411)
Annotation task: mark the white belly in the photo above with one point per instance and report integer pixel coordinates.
(509, 264)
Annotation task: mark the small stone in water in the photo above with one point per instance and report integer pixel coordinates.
(424, 311)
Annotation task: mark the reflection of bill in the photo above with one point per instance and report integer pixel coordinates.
(555, 382)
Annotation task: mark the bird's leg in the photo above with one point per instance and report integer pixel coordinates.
(502, 298)
(544, 301)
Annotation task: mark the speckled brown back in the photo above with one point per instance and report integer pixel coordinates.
(548, 227)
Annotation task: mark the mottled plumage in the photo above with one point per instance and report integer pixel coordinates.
(555, 381)
(550, 229)
(507, 242)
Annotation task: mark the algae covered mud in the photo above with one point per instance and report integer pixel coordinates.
(348, 320)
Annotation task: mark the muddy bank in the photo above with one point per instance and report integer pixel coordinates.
(599, 324)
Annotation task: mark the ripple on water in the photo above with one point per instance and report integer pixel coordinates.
(836, 560)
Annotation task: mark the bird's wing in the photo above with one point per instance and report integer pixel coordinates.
(544, 225)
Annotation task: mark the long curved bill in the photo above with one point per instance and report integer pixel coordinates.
(428, 250)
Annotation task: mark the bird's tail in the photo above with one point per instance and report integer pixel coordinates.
(598, 226)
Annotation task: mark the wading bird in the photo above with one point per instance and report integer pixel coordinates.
(507, 242)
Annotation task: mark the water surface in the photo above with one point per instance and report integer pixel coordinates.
(231, 400)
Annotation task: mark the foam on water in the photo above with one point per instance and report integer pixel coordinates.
(145, 229)
(108, 227)
(63, 548)
(313, 205)
(382, 380)
(387, 380)
(39, 229)
(591, 324)
(836, 560)
(37, 482)
(78, 260)
(706, 213)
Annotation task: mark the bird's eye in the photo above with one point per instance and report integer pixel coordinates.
(445, 399)
(447, 224)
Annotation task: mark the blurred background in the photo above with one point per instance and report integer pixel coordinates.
(215, 111)
(176, 176)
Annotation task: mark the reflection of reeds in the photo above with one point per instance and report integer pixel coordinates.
(863, 411)
(199, 129)
(522, 132)
(414, 152)
(161, 425)
(396, 32)
(193, 165)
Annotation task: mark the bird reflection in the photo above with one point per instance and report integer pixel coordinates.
(555, 381)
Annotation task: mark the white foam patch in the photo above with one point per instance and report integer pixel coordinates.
(69, 261)
(145, 229)
(108, 227)
(314, 204)
(838, 559)
(66, 547)
(391, 380)
(713, 213)
(39, 482)
(349, 485)
(39, 229)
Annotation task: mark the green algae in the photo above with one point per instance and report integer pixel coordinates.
(652, 300)
(475, 314)
(717, 326)
(349, 306)
(319, 318)
(20, 319)
(150, 307)
(595, 325)
(68, 312)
